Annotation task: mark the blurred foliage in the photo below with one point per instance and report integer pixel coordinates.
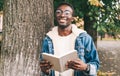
(1, 5)
(100, 73)
(104, 13)
(79, 22)
(109, 19)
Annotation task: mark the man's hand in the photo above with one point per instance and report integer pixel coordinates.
(76, 64)
(45, 66)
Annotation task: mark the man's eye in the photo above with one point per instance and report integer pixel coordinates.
(58, 12)
(67, 13)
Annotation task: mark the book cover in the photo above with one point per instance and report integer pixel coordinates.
(59, 62)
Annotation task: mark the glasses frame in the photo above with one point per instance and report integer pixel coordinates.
(60, 12)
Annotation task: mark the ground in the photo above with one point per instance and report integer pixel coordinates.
(109, 54)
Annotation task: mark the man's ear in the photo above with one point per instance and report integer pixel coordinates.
(73, 20)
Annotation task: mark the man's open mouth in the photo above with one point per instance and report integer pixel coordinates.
(62, 20)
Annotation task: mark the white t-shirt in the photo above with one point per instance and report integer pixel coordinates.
(62, 45)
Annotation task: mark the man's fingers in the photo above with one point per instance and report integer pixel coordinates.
(44, 61)
(43, 65)
(77, 61)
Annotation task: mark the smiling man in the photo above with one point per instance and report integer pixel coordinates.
(66, 37)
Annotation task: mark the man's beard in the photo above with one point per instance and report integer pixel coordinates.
(63, 26)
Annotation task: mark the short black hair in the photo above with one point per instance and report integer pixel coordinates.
(68, 4)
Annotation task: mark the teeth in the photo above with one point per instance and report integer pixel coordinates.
(62, 20)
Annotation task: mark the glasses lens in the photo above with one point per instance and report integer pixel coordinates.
(67, 13)
(58, 12)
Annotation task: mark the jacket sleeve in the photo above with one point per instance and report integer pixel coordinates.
(46, 45)
(91, 55)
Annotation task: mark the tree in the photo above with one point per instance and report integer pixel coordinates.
(109, 18)
(25, 24)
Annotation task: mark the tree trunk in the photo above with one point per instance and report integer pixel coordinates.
(89, 28)
(25, 24)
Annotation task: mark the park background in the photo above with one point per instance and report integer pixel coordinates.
(23, 24)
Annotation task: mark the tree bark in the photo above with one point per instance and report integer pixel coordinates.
(25, 24)
(89, 28)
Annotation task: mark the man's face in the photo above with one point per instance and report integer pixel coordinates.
(64, 15)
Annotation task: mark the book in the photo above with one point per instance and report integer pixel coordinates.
(60, 62)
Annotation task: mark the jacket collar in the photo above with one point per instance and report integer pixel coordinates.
(76, 31)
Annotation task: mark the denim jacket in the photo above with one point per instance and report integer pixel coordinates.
(86, 51)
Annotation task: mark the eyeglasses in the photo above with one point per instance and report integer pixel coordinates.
(66, 12)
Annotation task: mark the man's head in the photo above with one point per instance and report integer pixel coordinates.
(64, 14)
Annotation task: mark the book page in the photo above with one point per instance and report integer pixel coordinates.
(53, 60)
(59, 62)
(65, 58)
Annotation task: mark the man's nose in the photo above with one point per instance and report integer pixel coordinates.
(62, 14)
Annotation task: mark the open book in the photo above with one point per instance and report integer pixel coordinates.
(59, 62)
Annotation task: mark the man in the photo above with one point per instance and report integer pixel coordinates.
(66, 37)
